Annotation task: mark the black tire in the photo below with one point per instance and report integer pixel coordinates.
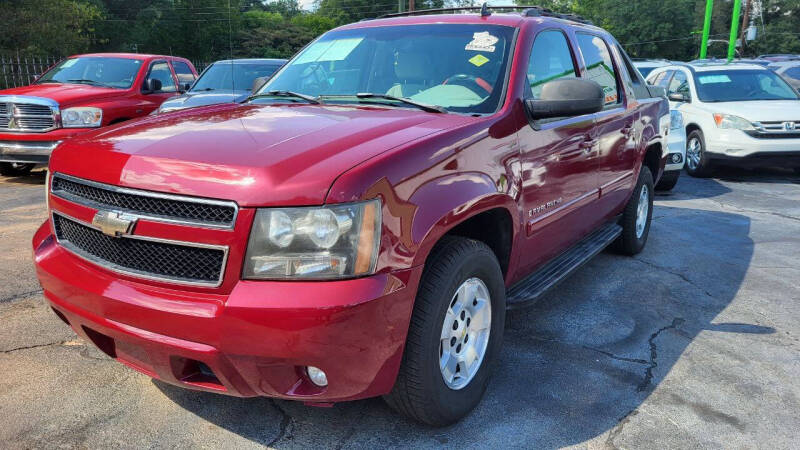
(420, 391)
(704, 167)
(630, 242)
(668, 180)
(15, 169)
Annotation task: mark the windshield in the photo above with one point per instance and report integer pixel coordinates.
(741, 85)
(229, 76)
(97, 71)
(459, 67)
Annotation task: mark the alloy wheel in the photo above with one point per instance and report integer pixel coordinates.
(694, 152)
(642, 210)
(465, 333)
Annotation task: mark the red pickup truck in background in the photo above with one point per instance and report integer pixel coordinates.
(81, 93)
(360, 225)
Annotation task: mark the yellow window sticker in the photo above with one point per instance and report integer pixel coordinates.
(479, 60)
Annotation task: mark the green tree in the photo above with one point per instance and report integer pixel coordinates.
(68, 28)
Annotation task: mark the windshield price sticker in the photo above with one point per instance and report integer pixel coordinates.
(482, 42)
(709, 79)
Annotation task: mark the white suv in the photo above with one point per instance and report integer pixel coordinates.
(734, 113)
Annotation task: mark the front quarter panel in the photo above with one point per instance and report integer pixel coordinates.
(429, 186)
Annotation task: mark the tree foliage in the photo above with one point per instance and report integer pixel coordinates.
(205, 30)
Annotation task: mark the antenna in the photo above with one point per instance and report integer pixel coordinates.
(485, 10)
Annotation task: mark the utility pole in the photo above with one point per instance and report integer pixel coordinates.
(411, 5)
(745, 22)
(737, 9)
(706, 29)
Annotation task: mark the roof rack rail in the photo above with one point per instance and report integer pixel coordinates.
(486, 10)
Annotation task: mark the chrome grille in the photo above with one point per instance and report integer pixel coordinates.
(150, 258)
(26, 117)
(152, 205)
(775, 129)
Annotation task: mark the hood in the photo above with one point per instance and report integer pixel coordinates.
(759, 110)
(256, 155)
(65, 94)
(202, 98)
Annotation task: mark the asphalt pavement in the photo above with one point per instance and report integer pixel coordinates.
(693, 343)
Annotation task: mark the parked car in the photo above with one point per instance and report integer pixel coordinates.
(778, 57)
(789, 70)
(645, 66)
(79, 94)
(733, 113)
(758, 62)
(676, 148)
(360, 226)
(676, 142)
(224, 82)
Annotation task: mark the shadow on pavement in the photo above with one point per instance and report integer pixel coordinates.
(574, 366)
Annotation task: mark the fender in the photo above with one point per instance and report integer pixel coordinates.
(449, 201)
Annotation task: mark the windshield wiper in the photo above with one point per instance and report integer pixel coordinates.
(407, 101)
(92, 82)
(49, 81)
(308, 98)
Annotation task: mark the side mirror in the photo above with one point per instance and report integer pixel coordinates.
(258, 83)
(567, 97)
(185, 87)
(676, 97)
(151, 85)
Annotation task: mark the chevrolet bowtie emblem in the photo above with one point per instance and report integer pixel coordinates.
(114, 224)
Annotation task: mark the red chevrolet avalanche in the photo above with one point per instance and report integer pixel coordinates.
(359, 226)
(79, 94)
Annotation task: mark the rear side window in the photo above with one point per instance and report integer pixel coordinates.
(794, 72)
(184, 73)
(551, 59)
(599, 66)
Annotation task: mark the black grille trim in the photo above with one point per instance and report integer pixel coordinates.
(145, 204)
(143, 257)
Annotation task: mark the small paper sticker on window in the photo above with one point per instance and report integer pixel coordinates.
(479, 60)
(482, 42)
(710, 79)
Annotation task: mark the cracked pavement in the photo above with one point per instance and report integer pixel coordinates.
(693, 343)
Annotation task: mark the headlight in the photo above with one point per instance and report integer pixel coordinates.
(328, 242)
(675, 120)
(83, 117)
(727, 121)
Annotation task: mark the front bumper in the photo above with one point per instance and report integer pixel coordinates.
(736, 145)
(676, 145)
(255, 340)
(37, 152)
(33, 147)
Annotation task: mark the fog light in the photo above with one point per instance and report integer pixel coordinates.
(317, 376)
(676, 158)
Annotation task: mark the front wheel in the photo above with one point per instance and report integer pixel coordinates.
(15, 169)
(454, 336)
(636, 216)
(697, 162)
